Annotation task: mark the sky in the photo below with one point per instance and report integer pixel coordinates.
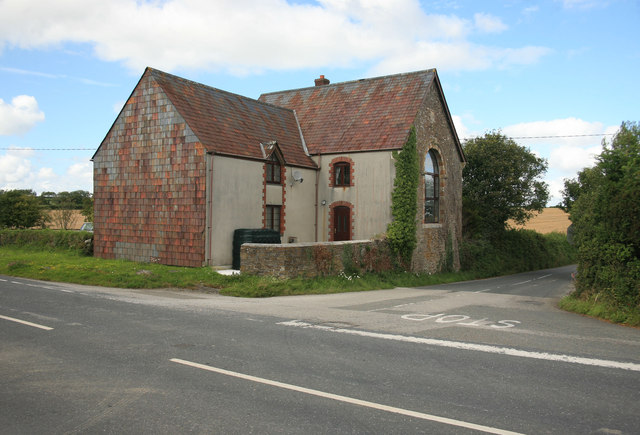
(558, 76)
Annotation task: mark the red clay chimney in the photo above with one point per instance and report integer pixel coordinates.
(321, 81)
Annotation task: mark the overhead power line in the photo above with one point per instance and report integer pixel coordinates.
(553, 136)
(48, 149)
(464, 138)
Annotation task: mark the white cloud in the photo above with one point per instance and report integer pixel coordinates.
(582, 4)
(488, 23)
(568, 144)
(19, 116)
(251, 36)
(14, 166)
(18, 171)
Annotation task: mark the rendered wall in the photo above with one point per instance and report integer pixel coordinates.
(369, 194)
(236, 202)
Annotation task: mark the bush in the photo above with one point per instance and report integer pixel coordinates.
(515, 251)
(79, 241)
(604, 205)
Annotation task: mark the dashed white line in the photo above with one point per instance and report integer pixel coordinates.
(24, 322)
(346, 399)
(475, 347)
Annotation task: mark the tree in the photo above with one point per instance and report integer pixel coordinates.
(604, 205)
(20, 209)
(501, 181)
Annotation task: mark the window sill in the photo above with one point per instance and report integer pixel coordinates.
(432, 225)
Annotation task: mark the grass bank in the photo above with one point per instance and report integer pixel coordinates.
(70, 266)
(64, 256)
(602, 308)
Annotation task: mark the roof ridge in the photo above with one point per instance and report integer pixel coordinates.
(212, 88)
(366, 79)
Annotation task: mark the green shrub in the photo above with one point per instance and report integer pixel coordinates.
(401, 232)
(78, 241)
(516, 251)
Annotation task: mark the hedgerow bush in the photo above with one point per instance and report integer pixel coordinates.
(79, 241)
(514, 251)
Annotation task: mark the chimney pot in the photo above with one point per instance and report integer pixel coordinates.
(322, 81)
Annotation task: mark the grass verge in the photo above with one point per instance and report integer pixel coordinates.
(602, 308)
(72, 267)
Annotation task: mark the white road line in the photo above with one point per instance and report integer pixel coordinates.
(543, 276)
(346, 399)
(3, 280)
(24, 322)
(475, 347)
(523, 282)
(485, 290)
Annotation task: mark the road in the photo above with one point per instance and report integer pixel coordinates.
(489, 356)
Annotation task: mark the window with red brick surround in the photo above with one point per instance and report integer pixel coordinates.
(274, 170)
(341, 172)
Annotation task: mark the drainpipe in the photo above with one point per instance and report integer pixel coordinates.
(209, 212)
(317, 184)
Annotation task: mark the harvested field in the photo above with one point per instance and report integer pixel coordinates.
(75, 222)
(550, 220)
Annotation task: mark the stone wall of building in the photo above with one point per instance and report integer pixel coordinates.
(149, 184)
(438, 243)
(309, 260)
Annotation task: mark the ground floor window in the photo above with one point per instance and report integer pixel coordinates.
(273, 217)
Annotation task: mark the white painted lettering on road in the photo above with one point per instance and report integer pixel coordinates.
(24, 322)
(459, 319)
(475, 347)
(346, 399)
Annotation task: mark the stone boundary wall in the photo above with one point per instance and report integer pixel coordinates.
(309, 260)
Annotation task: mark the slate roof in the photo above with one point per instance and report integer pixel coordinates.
(231, 124)
(361, 115)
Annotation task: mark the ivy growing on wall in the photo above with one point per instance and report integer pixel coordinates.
(401, 232)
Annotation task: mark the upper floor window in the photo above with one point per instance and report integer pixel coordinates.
(273, 170)
(431, 188)
(342, 174)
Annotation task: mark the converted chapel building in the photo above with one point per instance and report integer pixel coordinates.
(185, 164)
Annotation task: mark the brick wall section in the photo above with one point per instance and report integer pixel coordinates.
(309, 260)
(149, 185)
(433, 131)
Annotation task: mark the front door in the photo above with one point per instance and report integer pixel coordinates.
(341, 223)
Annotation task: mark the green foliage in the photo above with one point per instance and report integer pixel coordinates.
(80, 242)
(75, 200)
(20, 209)
(401, 232)
(514, 251)
(604, 204)
(501, 181)
(87, 209)
(601, 307)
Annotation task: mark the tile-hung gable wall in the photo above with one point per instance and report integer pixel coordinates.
(150, 179)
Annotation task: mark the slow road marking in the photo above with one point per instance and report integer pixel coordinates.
(24, 322)
(472, 346)
(346, 399)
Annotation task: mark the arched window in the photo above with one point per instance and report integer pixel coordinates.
(431, 188)
(342, 174)
(273, 170)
